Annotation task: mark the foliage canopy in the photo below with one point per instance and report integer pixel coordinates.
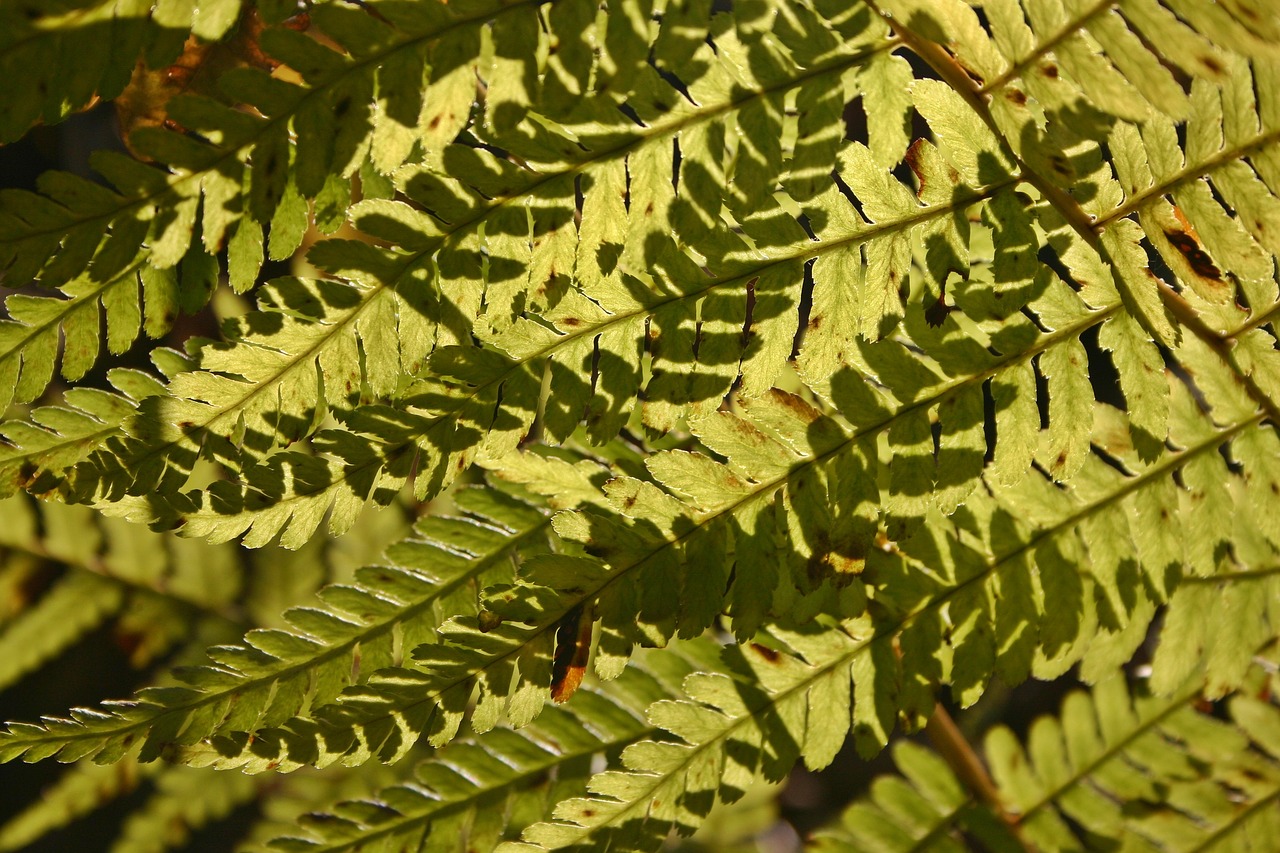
(782, 363)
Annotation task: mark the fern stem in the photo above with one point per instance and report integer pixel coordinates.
(1222, 346)
(954, 748)
(1234, 577)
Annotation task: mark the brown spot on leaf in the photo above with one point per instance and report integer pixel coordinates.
(571, 322)
(1016, 97)
(1190, 249)
(1049, 70)
(815, 322)
(1212, 64)
(770, 655)
(913, 161)
(572, 649)
(435, 122)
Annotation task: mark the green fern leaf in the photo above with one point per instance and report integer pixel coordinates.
(276, 673)
(474, 790)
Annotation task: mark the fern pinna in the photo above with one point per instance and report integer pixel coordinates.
(660, 395)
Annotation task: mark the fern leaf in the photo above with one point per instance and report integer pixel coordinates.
(644, 556)
(278, 672)
(926, 808)
(59, 437)
(731, 729)
(472, 791)
(104, 37)
(39, 326)
(1064, 787)
(471, 383)
(1163, 754)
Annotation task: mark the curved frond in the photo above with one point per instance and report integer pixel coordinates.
(475, 791)
(359, 629)
(775, 706)
(860, 351)
(36, 453)
(1163, 774)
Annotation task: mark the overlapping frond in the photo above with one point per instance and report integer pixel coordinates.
(497, 395)
(1001, 587)
(70, 53)
(1032, 393)
(38, 451)
(476, 791)
(361, 628)
(1114, 767)
(776, 704)
(263, 390)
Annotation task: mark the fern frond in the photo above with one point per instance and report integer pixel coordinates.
(1105, 742)
(362, 627)
(795, 502)
(1114, 767)
(33, 336)
(927, 808)
(38, 452)
(1196, 781)
(424, 432)
(265, 387)
(105, 38)
(1120, 57)
(472, 219)
(475, 791)
(568, 339)
(774, 707)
